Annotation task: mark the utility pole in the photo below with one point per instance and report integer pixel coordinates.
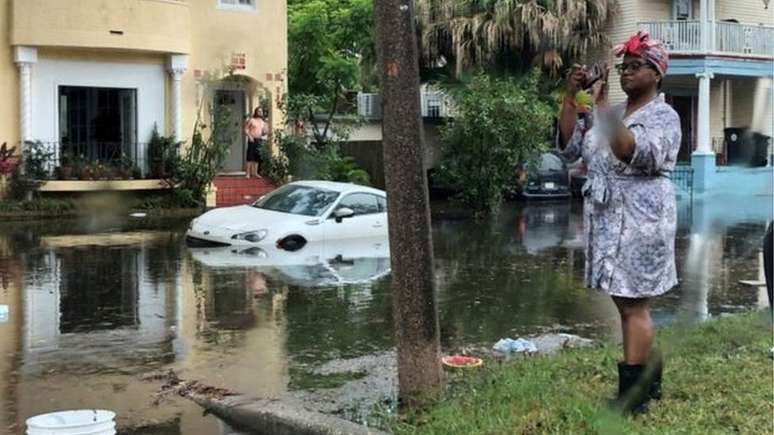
(414, 303)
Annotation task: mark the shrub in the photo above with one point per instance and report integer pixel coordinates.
(499, 124)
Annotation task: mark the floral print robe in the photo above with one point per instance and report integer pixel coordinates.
(630, 216)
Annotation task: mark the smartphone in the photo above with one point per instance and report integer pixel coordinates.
(593, 75)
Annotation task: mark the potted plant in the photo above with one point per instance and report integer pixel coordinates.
(100, 171)
(86, 172)
(65, 170)
(136, 172)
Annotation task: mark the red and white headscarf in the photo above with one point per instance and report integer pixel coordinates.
(651, 50)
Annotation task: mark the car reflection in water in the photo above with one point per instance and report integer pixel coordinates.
(542, 226)
(318, 264)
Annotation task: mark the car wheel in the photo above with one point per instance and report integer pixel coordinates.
(291, 243)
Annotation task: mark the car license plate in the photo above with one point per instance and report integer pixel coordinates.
(549, 185)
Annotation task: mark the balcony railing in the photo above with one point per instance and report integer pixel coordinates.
(685, 37)
(96, 161)
(434, 104)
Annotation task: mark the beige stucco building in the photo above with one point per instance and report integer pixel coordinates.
(93, 77)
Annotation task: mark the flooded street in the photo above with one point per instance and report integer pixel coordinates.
(96, 304)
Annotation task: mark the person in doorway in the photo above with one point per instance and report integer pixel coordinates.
(630, 217)
(256, 131)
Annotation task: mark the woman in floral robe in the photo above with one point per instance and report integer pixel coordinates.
(629, 210)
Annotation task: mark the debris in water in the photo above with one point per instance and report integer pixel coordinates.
(138, 215)
(173, 385)
(509, 345)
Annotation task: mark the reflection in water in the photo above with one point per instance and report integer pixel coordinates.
(94, 306)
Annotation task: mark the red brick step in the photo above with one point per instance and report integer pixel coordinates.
(239, 190)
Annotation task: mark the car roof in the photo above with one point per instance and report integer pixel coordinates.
(339, 187)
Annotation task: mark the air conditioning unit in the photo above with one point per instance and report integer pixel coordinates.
(369, 105)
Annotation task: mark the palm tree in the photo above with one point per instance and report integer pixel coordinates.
(512, 33)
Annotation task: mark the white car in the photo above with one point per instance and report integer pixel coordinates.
(294, 215)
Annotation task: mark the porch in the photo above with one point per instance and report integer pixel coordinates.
(726, 122)
(687, 37)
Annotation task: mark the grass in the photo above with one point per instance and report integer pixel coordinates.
(718, 380)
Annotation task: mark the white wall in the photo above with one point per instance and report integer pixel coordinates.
(48, 74)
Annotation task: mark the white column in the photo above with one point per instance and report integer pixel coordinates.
(705, 29)
(176, 67)
(25, 57)
(704, 145)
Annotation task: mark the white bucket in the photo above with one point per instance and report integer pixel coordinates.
(80, 422)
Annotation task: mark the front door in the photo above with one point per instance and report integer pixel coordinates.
(230, 104)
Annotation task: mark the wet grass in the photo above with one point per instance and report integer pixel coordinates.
(718, 380)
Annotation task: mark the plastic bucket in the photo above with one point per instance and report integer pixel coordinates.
(79, 422)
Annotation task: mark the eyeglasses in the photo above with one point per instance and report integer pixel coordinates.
(631, 66)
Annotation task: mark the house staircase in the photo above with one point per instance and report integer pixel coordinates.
(239, 190)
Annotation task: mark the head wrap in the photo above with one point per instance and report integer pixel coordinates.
(651, 50)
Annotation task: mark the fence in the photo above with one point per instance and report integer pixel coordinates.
(682, 178)
(92, 161)
(685, 36)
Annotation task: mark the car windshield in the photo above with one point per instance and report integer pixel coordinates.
(296, 199)
(549, 163)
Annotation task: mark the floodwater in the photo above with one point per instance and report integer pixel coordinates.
(96, 304)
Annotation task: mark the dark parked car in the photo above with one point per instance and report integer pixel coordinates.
(547, 178)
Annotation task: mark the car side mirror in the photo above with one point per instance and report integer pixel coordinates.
(343, 213)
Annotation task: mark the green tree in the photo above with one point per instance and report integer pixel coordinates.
(331, 52)
(499, 123)
(511, 34)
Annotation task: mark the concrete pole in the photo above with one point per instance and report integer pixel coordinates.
(416, 319)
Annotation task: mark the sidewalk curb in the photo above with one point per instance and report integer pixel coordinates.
(278, 416)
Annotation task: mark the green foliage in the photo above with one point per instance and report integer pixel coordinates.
(35, 158)
(27, 176)
(47, 205)
(499, 123)
(331, 52)
(202, 161)
(163, 155)
(302, 161)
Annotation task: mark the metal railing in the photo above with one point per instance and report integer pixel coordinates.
(677, 36)
(685, 36)
(434, 104)
(93, 161)
(744, 39)
(682, 178)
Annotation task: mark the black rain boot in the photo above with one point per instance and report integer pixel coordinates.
(633, 390)
(655, 378)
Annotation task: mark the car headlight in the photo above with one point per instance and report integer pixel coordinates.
(251, 236)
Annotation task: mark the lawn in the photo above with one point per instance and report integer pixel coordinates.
(718, 379)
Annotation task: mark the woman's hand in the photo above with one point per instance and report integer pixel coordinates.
(600, 88)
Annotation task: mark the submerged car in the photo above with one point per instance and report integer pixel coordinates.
(294, 215)
(547, 179)
(318, 264)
